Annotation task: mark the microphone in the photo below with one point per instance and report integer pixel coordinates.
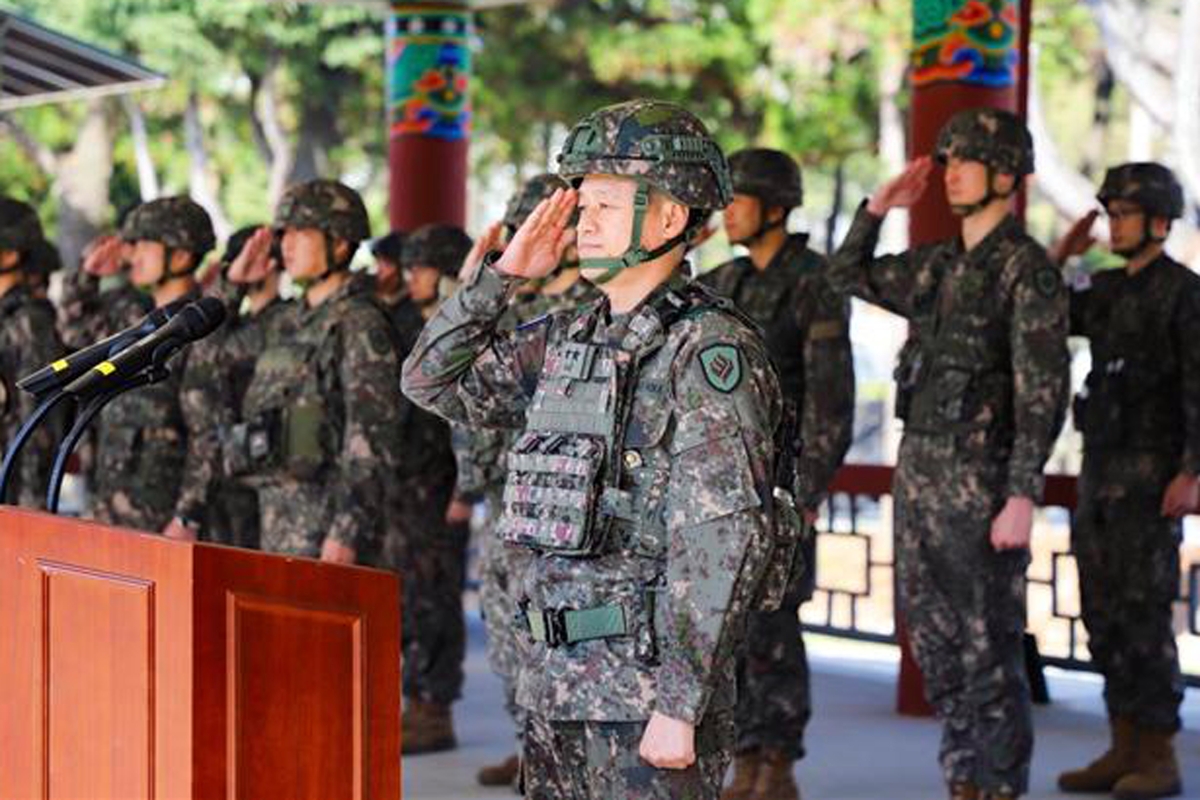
(195, 321)
(68, 368)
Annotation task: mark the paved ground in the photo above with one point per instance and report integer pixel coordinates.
(859, 749)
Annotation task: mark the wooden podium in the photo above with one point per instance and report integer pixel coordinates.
(133, 667)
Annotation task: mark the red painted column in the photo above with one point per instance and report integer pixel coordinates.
(966, 54)
(429, 112)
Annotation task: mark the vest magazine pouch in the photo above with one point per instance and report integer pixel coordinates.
(304, 451)
(552, 493)
(251, 447)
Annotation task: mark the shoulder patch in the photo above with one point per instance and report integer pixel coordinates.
(722, 366)
(1048, 281)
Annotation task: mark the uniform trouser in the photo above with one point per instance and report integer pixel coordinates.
(964, 604)
(600, 761)
(500, 569)
(773, 697)
(1128, 559)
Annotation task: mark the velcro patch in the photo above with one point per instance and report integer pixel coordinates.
(722, 366)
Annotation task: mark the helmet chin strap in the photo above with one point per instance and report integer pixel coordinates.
(967, 209)
(635, 253)
(764, 227)
(1147, 241)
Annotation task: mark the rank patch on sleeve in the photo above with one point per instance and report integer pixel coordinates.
(722, 365)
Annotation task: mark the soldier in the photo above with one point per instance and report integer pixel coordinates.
(320, 414)
(141, 440)
(642, 482)
(982, 391)
(1140, 418)
(220, 366)
(481, 470)
(427, 537)
(781, 285)
(28, 341)
(387, 251)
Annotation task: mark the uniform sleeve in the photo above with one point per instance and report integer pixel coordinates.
(206, 411)
(1041, 368)
(465, 370)
(479, 457)
(889, 281)
(718, 526)
(1187, 332)
(827, 419)
(371, 400)
(41, 347)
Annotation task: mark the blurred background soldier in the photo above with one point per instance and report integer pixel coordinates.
(1139, 414)
(781, 285)
(28, 342)
(986, 383)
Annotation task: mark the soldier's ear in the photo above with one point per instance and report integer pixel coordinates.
(341, 249)
(181, 261)
(1003, 183)
(1160, 227)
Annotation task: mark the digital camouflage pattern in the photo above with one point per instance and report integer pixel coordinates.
(28, 342)
(220, 367)
(1151, 186)
(1140, 418)
(806, 327)
(660, 143)
(429, 553)
(684, 589)
(141, 448)
(442, 247)
(20, 228)
(986, 379)
(599, 761)
(992, 136)
(177, 222)
(770, 175)
(328, 206)
(329, 398)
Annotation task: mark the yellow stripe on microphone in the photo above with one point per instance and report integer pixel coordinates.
(60, 365)
(105, 368)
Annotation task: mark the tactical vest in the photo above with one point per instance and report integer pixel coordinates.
(959, 365)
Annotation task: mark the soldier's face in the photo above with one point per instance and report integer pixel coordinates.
(303, 253)
(966, 181)
(422, 283)
(387, 275)
(606, 218)
(147, 262)
(1126, 226)
(742, 217)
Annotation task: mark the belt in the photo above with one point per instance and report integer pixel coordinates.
(559, 626)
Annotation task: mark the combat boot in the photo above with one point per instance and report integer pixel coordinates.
(1118, 761)
(502, 774)
(1157, 773)
(775, 780)
(745, 773)
(964, 791)
(426, 728)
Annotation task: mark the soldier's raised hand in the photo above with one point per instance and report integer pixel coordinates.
(103, 256)
(253, 263)
(904, 190)
(538, 245)
(492, 239)
(1076, 241)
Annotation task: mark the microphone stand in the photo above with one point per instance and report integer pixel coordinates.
(94, 405)
(46, 404)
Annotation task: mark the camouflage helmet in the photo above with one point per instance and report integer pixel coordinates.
(331, 207)
(1151, 186)
(390, 246)
(526, 199)
(770, 175)
(440, 246)
(992, 136)
(20, 228)
(663, 144)
(177, 222)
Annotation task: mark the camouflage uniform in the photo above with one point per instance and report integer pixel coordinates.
(141, 438)
(320, 413)
(219, 371)
(28, 341)
(982, 390)
(1140, 418)
(806, 327)
(639, 484)
(429, 553)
